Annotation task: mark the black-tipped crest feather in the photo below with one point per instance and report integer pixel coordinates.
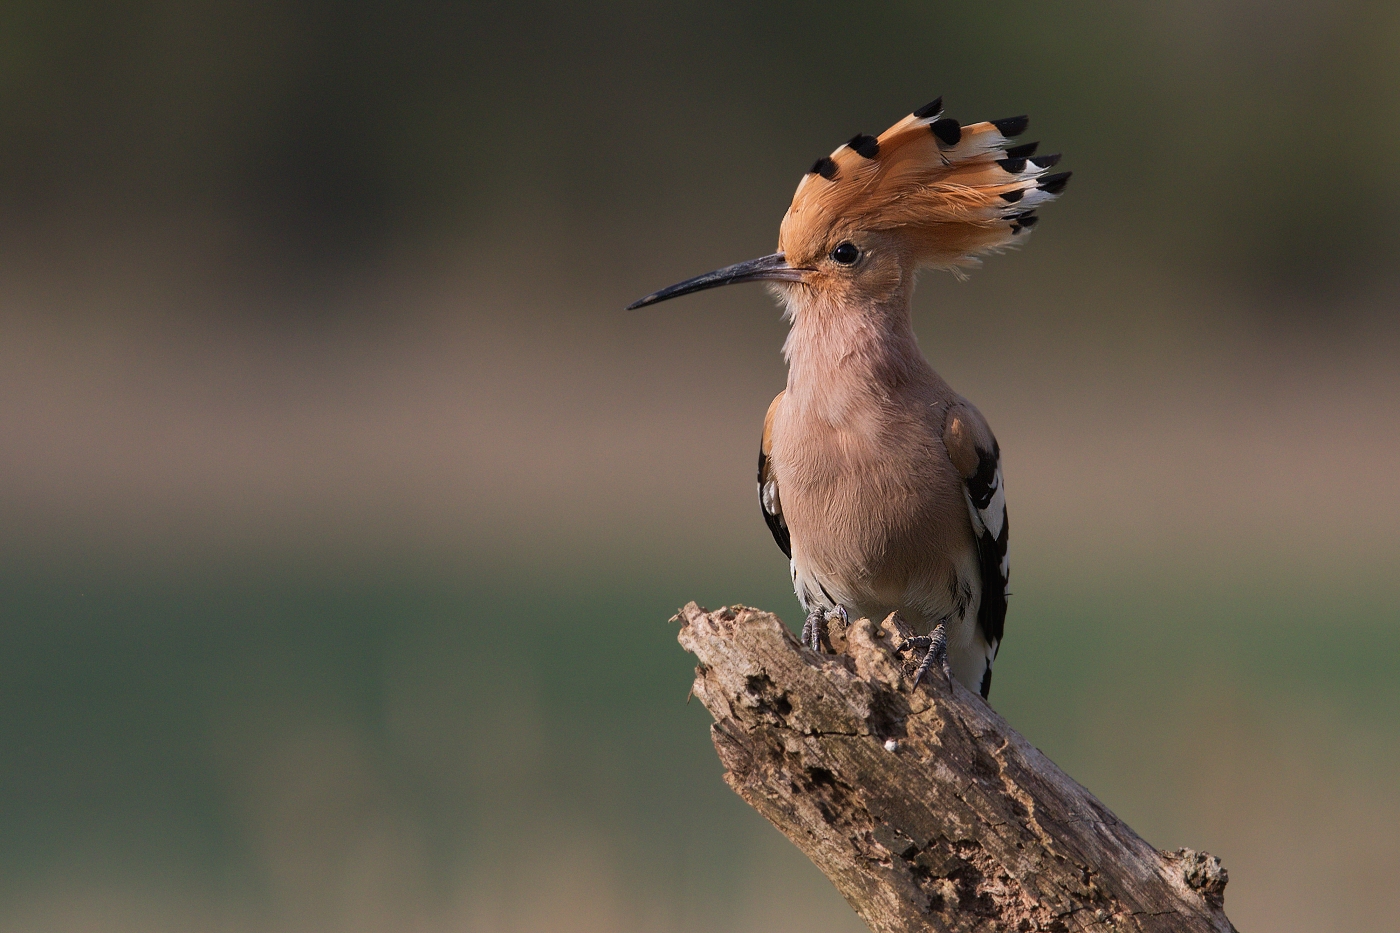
(947, 131)
(932, 108)
(1012, 126)
(825, 167)
(867, 147)
(956, 192)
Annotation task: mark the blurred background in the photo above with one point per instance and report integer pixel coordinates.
(342, 508)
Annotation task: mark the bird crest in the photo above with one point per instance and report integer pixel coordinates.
(951, 192)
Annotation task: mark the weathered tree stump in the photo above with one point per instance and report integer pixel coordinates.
(924, 808)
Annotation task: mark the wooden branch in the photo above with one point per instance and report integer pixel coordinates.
(924, 808)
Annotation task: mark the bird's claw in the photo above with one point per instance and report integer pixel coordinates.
(935, 644)
(814, 628)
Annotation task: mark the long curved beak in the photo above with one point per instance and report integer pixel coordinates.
(773, 268)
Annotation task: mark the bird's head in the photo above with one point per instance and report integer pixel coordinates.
(926, 192)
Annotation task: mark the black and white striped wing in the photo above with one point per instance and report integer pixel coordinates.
(977, 457)
(986, 504)
(768, 498)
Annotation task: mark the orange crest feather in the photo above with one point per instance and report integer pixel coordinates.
(955, 192)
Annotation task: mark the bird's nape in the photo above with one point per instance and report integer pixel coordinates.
(771, 268)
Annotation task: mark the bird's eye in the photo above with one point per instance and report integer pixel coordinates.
(845, 253)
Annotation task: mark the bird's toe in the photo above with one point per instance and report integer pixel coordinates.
(814, 629)
(936, 643)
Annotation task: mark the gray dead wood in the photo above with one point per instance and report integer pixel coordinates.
(924, 808)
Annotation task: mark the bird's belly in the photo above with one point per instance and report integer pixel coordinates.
(925, 570)
(875, 546)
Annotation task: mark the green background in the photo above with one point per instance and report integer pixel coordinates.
(342, 508)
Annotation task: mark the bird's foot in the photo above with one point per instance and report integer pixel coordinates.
(814, 628)
(935, 643)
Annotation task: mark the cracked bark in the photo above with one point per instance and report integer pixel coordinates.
(924, 808)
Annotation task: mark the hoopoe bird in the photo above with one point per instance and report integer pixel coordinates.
(881, 484)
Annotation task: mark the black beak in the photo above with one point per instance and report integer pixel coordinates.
(772, 268)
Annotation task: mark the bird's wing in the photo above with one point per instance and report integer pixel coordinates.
(768, 498)
(977, 457)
